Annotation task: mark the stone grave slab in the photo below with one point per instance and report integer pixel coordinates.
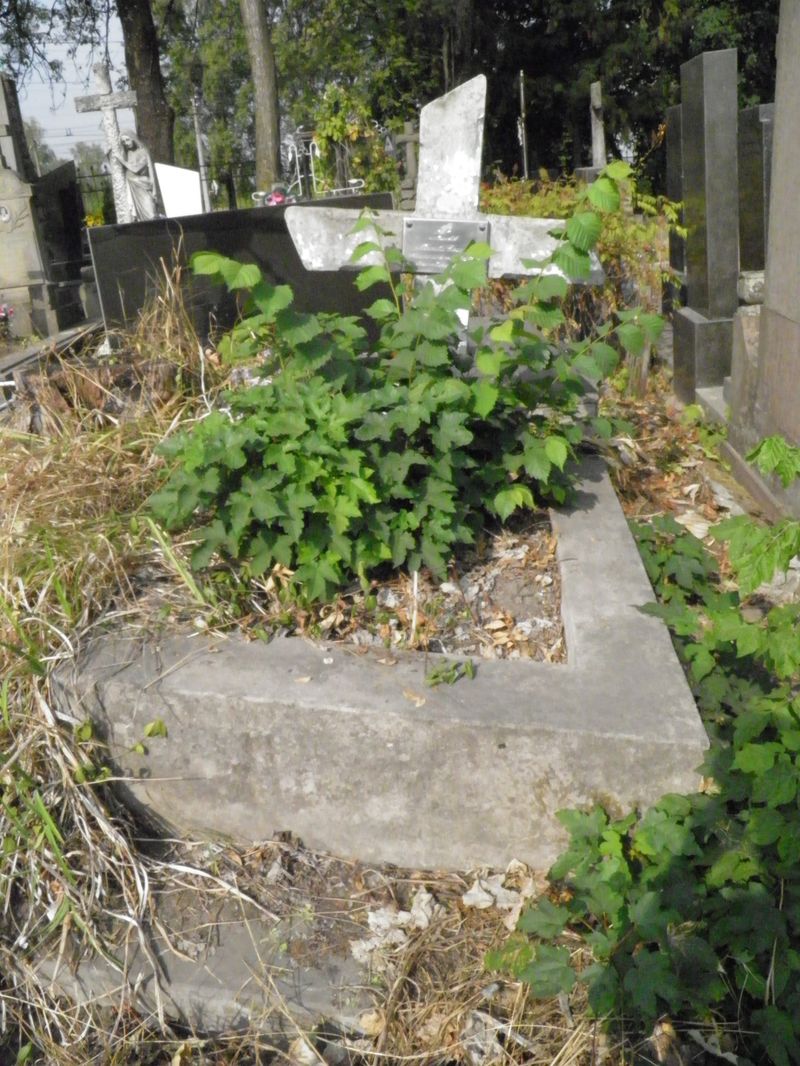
(446, 212)
(235, 969)
(129, 262)
(364, 759)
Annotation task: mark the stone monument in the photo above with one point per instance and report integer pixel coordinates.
(40, 232)
(446, 218)
(599, 157)
(755, 167)
(132, 177)
(703, 330)
(769, 401)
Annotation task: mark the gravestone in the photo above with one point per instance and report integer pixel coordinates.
(181, 190)
(598, 128)
(599, 158)
(40, 232)
(703, 330)
(755, 165)
(408, 141)
(129, 263)
(772, 404)
(14, 154)
(446, 219)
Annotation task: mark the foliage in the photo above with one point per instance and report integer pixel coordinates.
(397, 57)
(630, 247)
(204, 49)
(694, 908)
(350, 143)
(386, 56)
(361, 455)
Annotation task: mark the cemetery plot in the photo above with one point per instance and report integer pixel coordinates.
(361, 757)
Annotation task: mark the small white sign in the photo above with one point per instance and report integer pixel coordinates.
(180, 190)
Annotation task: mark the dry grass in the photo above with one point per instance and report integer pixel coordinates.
(74, 543)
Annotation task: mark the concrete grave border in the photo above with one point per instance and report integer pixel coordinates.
(334, 747)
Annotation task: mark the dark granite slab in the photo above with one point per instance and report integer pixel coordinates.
(755, 173)
(130, 262)
(710, 188)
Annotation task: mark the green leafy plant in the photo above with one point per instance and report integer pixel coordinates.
(357, 456)
(694, 908)
(448, 672)
(630, 246)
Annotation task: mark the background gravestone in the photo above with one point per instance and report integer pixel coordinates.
(777, 391)
(765, 378)
(709, 123)
(40, 232)
(755, 165)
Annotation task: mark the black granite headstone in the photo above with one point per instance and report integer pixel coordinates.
(130, 260)
(755, 166)
(710, 190)
(709, 122)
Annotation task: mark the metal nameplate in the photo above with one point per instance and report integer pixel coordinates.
(430, 243)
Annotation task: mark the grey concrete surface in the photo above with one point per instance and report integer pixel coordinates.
(230, 970)
(364, 759)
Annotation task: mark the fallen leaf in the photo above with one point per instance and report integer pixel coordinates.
(414, 697)
(694, 522)
(301, 1053)
(372, 1022)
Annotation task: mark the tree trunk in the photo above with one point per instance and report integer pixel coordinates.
(154, 116)
(265, 91)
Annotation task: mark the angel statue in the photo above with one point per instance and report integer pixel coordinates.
(140, 177)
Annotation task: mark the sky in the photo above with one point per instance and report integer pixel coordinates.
(53, 107)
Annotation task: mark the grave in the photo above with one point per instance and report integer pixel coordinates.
(181, 190)
(446, 218)
(107, 102)
(129, 263)
(599, 157)
(355, 753)
(766, 372)
(721, 200)
(755, 170)
(703, 330)
(40, 232)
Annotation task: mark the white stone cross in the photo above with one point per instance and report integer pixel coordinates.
(106, 102)
(446, 218)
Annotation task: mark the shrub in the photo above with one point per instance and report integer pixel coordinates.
(694, 909)
(357, 456)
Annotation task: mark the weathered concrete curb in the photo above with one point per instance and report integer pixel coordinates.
(333, 745)
(233, 970)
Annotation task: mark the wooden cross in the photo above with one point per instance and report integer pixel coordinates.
(446, 219)
(107, 102)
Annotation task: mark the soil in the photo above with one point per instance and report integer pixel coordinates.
(501, 601)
